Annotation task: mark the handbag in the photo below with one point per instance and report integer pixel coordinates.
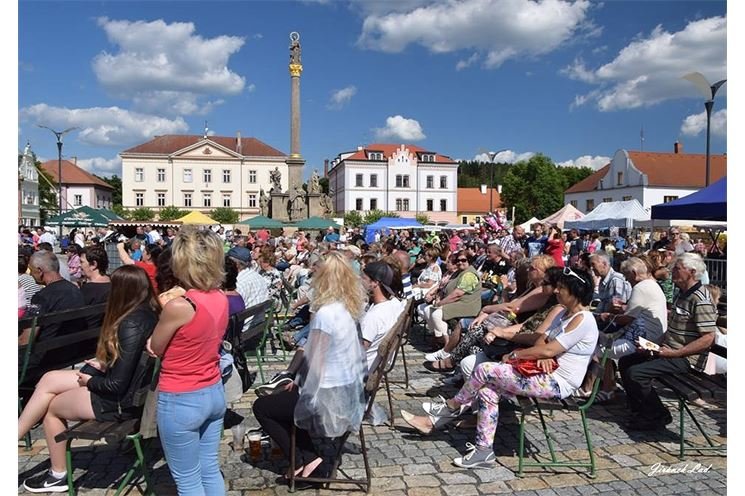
(529, 367)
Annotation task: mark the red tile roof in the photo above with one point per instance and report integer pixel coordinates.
(470, 200)
(170, 143)
(676, 170)
(389, 149)
(72, 174)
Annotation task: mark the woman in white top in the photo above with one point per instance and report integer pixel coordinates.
(571, 339)
(327, 398)
(430, 276)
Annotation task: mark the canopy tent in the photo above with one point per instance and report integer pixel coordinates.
(611, 214)
(526, 225)
(80, 217)
(110, 214)
(709, 203)
(262, 222)
(385, 224)
(459, 227)
(196, 217)
(316, 223)
(565, 213)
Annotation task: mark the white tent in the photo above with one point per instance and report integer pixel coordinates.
(611, 214)
(567, 212)
(526, 225)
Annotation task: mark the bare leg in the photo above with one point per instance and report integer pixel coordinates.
(71, 405)
(296, 362)
(454, 338)
(50, 385)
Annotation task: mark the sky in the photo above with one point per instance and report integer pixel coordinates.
(574, 80)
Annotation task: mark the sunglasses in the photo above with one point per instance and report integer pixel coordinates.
(461, 260)
(569, 272)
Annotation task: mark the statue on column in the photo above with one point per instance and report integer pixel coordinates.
(326, 205)
(263, 203)
(297, 203)
(315, 184)
(276, 179)
(295, 50)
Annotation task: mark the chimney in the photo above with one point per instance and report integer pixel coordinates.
(74, 160)
(326, 168)
(483, 189)
(360, 148)
(678, 147)
(238, 143)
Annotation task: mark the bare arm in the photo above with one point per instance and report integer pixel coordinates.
(700, 345)
(174, 315)
(456, 295)
(542, 349)
(126, 259)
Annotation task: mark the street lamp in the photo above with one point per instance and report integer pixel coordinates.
(59, 135)
(709, 91)
(492, 155)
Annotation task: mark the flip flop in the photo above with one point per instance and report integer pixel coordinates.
(438, 367)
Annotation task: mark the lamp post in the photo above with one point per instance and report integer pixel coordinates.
(492, 155)
(709, 91)
(59, 135)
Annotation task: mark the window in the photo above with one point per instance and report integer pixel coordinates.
(443, 205)
(358, 180)
(187, 199)
(252, 200)
(430, 205)
(139, 199)
(358, 204)
(399, 180)
(161, 175)
(607, 200)
(187, 175)
(206, 199)
(464, 220)
(376, 155)
(443, 182)
(207, 177)
(428, 157)
(78, 201)
(373, 180)
(626, 198)
(589, 205)
(226, 199)
(573, 203)
(226, 175)
(373, 203)
(252, 176)
(406, 204)
(406, 181)
(667, 199)
(139, 174)
(430, 182)
(619, 181)
(161, 199)
(399, 204)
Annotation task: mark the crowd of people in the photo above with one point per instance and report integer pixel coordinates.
(495, 304)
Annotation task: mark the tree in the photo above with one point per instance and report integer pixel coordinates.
(48, 205)
(324, 183)
(122, 212)
(534, 188)
(422, 219)
(373, 216)
(474, 173)
(224, 215)
(169, 213)
(573, 175)
(353, 219)
(142, 214)
(116, 183)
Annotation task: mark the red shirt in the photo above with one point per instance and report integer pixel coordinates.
(191, 359)
(151, 270)
(263, 235)
(555, 248)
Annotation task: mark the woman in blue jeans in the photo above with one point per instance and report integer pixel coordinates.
(191, 401)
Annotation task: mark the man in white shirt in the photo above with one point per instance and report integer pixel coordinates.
(385, 308)
(48, 237)
(253, 288)
(153, 236)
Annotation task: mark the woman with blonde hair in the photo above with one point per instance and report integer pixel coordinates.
(102, 389)
(327, 397)
(191, 398)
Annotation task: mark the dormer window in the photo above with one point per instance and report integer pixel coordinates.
(620, 179)
(375, 155)
(428, 157)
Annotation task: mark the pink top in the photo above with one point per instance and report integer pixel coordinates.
(191, 359)
(555, 248)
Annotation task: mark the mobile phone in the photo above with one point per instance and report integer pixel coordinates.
(91, 370)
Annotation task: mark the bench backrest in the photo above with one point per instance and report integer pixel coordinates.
(386, 355)
(594, 376)
(235, 333)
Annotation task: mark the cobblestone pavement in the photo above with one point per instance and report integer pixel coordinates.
(405, 463)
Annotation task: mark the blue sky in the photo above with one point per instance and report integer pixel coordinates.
(573, 80)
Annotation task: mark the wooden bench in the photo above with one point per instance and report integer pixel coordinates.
(695, 386)
(242, 339)
(116, 432)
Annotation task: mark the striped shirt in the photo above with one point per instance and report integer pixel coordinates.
(29, 285)
(406, 281)
(692, 315)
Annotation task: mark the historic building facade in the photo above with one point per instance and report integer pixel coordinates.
(79, 187)
(28, 189)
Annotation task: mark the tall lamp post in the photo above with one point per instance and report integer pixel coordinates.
(59, 135)
(709, 91)
(492, 156)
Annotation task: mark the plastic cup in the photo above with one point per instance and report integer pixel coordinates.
(254, 446)
(239, 432)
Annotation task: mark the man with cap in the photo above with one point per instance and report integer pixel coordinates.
(379, 279)
(250, 285)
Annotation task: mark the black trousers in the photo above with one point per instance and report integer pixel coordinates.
(637, 372)
(275, 414)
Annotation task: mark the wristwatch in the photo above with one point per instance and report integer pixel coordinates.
(512, 356)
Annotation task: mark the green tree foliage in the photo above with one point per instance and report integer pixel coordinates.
(375, 215)
(142, 214)
(48, 205)
(473, 173)
(122, 212)
(116, 183)
(422, 219)
(573, 175)
(224, 215)
(324, 183)
(534, 187)
(353, 219)
(169, 213)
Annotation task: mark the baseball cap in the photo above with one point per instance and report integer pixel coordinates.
(382, 273)
(240, 253)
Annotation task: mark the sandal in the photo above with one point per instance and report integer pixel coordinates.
(439, 366)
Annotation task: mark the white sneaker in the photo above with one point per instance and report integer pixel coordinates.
(438, 407)
(476, 458)
(437, 355)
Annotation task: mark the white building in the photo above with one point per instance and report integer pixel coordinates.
(79, 187)
(199, 173)
(397, 178)
(649, 177)
(28, 189)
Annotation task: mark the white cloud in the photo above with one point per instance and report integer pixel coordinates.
(104, 126)
(463, 64)
(505, 157)
(695, 124)
(399, 127)
(251, 88)
(167, 66)
(102, 166)
(649, 70)
(594, 163)
(339, 98)
(499, 29)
